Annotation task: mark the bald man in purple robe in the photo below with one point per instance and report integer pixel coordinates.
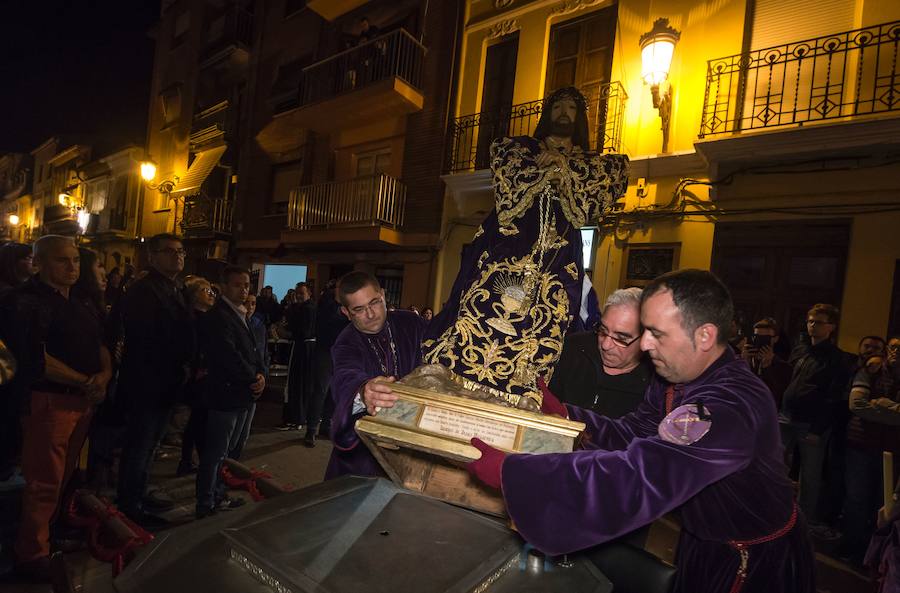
(376, 345)
(705, 440)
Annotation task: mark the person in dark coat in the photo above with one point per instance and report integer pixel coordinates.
(159, 348)
(258, 329)
(329, 324)
(605, 370)
(301, 322)
(236, 378)
(200, 297)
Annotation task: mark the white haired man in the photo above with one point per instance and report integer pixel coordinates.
(64, 369)
(605, 370)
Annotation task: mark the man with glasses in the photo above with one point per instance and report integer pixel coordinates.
(377, 345)
(813, 410)
(704, 441)
(605, 370)
(159, 348)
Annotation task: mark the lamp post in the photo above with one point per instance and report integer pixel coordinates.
(657, 48)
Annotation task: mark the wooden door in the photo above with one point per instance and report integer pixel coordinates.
(780, 269)
(496, 96)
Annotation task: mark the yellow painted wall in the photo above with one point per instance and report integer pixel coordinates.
(709, 29)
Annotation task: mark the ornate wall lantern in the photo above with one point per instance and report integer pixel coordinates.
(657, 48)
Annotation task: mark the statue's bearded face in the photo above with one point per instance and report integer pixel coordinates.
(562, 117)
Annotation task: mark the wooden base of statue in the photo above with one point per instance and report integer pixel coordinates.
(423, 441)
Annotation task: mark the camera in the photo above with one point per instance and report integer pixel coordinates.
(757, 341)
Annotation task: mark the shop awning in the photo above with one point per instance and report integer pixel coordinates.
(197, 173)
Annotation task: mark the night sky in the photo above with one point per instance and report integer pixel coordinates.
(75, 67)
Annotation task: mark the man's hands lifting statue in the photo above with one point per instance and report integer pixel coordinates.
(489, 467)
(376, 395)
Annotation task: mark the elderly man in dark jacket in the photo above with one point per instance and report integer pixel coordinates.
(236, 378)
(159, 347)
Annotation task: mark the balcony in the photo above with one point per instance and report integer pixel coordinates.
(360, 213)
(846, 75)
(470, 136)
(362, 201)
(376, 80)
(212, 124)
(205, 217)
(331, 9)
(231, 30)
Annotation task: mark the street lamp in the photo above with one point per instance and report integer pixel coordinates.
(14, 219)
(657, 48)
(148, 174)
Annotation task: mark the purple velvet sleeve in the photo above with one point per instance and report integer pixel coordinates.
(349, 374)
(565, 502)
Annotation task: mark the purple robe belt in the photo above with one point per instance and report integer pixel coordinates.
(742, 547)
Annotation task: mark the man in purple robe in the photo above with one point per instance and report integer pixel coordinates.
(705, 440)
(377, 345)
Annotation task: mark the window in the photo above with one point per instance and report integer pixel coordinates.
(285, 178)
(170, 99)
(116, 203)
(776, 22)
(391, 280)
(373, 162)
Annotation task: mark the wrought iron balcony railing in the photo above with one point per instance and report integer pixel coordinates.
(854, 73)
(393, 54)
(363, 201)
(207, 215)
(234, 27)
(470, 136)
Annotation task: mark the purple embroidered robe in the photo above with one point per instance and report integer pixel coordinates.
(731, 484)
(520, 281)
(358, 357)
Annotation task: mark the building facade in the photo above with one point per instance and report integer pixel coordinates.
(778, 167)
(350, 102)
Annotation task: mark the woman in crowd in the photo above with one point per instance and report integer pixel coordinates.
(91, 289)
(200, 297)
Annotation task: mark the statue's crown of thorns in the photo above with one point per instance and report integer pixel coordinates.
(568, 92)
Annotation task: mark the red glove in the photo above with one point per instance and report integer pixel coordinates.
(551, 404)
(488, 467)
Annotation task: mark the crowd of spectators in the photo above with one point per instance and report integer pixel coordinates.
(111, 355)
(115, 359)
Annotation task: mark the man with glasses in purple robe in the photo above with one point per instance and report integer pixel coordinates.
(377, 346)
(705, 440)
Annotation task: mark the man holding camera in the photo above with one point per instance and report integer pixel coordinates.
(759, 352)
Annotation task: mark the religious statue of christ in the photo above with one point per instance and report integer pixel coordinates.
(519, 286)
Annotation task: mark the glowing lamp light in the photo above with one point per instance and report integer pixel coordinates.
(148, 170)
(63, 199)
(657, 49)
(656, 59)
(14, 219)
(84, 218)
